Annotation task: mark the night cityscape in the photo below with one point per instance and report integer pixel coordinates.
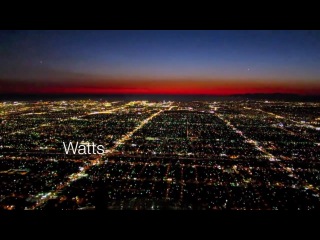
(187, 120)
(238, 155)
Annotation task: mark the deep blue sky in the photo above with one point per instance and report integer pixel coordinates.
(215, 57)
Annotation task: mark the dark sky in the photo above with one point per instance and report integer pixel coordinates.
(175, 62)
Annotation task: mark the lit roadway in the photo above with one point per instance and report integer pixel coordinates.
(75, 176)
(69, 118)
(298, 124)
(129, 135)
(270, 156)
(107, 111)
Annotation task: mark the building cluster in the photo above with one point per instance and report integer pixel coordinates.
(234, 155)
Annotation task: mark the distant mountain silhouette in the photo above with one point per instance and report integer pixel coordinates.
(161, 97)
(277, 96)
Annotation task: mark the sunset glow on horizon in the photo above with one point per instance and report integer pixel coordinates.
(160, 62)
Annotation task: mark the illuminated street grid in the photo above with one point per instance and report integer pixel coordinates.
(161, 155)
